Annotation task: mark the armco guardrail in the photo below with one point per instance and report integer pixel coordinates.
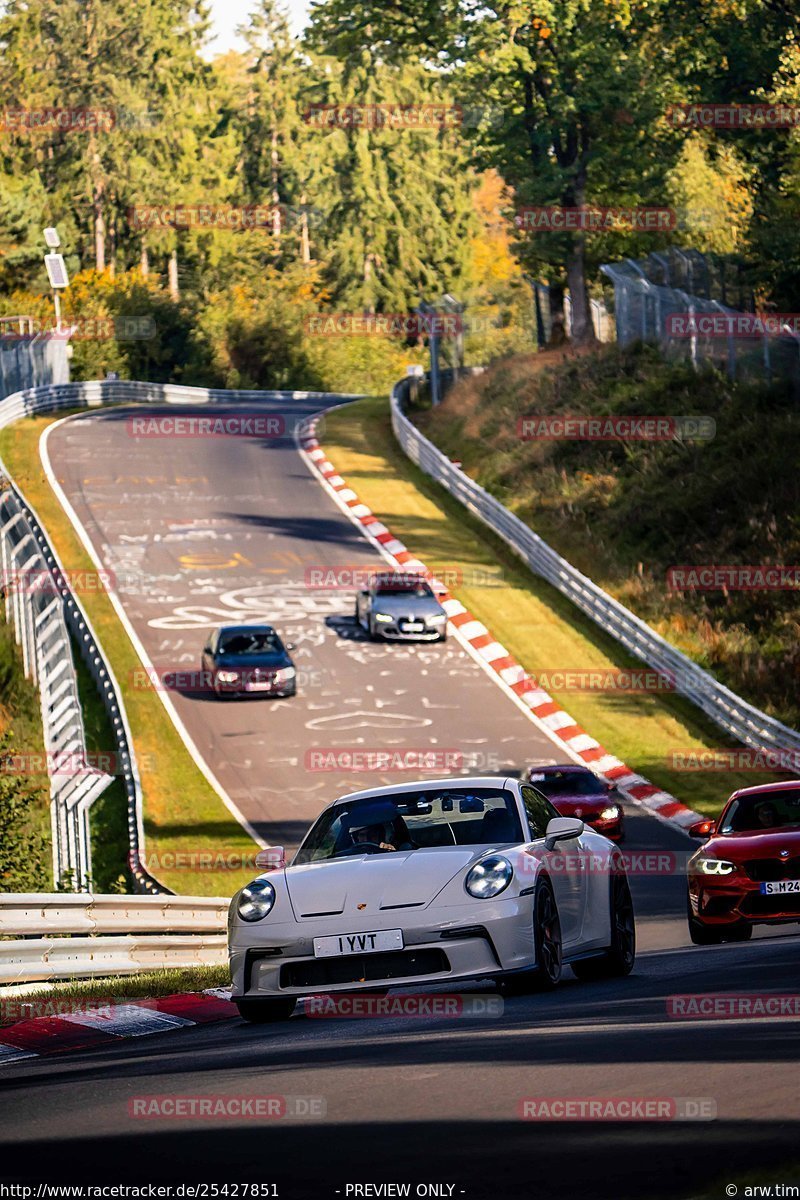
(743, 721)
(114, 935)
(71, 850)
(35, 604)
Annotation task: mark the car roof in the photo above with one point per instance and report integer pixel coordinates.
(567, 766)
(260, 628)
(791, 785)
(461, 782)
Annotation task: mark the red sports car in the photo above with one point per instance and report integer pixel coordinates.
(748, 872)
(577, 792)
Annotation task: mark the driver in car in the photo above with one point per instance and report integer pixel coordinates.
(767, 816)
(385, 835)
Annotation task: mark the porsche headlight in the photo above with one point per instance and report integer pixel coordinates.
(714, 866)
(227, 676)
(489, 877)
(256, 900)
(382, 618)
(285, 674)
(610, 814)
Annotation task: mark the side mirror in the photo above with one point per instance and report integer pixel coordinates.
(290, 646)
(702, 829)
(272, 859)
(562, 829)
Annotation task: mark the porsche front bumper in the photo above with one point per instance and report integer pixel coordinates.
(481, 938)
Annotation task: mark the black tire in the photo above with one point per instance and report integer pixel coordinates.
(264, 1012)
(548, 945)
(618, 960)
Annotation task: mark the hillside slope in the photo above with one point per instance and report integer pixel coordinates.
(625, 512)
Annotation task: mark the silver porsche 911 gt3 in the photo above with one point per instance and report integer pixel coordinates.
(428, 882)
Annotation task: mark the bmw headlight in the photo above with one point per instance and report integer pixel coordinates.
(609, 814)
(256, 900)
(437, 618)
(227, 676)
(381, 618)
(714, 866)
(285, 674)
(489, 877)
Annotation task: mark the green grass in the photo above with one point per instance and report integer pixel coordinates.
(542, 629)
(625, 512)
(182, 813)
(26, 856)
(115, 989)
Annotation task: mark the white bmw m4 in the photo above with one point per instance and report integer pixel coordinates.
(431, 882)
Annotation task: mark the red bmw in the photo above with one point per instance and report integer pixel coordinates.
(748, 872)
(577, 792)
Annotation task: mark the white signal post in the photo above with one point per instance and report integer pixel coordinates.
(56, 270)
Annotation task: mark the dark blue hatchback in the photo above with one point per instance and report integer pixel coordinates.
(249, 660)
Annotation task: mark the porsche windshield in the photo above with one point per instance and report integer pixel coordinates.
(413, 821)
(763, 811)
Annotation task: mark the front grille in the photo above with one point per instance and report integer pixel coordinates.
(363, 968)
(770, 870)
(756, 905)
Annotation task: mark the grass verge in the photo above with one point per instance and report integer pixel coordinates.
(628, 511)
(113, 990)
(183, 816)
(542, 629)
(26, 857)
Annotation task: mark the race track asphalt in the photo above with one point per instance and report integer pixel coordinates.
(228, 529)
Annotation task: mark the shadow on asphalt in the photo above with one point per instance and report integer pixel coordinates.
(484, 1160)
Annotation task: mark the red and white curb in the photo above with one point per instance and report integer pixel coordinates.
(542, 709)
(105, 1023)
